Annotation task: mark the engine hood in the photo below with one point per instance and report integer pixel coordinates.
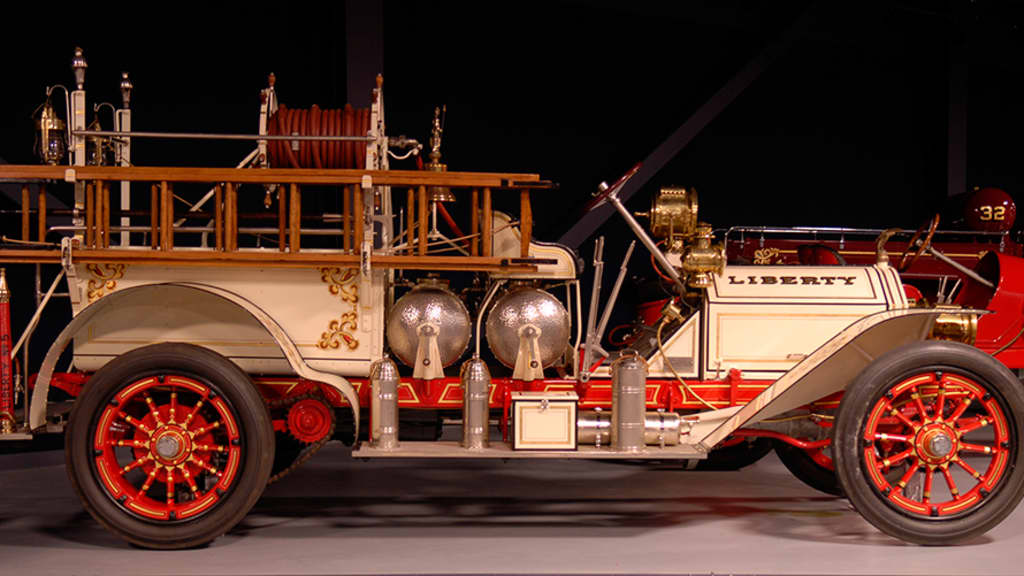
(841, 285)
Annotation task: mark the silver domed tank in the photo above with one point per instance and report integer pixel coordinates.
(520, 308)
(429, 303)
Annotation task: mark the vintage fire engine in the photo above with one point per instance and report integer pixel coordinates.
(214, 351)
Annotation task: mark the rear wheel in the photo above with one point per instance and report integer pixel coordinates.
(928, 443)
(812, 467)
(169, 446)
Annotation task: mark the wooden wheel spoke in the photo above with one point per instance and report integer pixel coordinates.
(929, 475)
(174, 406)
(896, 459)
(209, 448)
(894, 437)
(135, 464)
(902, 417)
(189, 480)
(968, 468)
(974, 425)
(907, 476)
(170, 486)
(920, 404)
(136, 423)
(959, 411)
(203, 465)
(950, 482)
(204, 429)
(130, 443)
(978, 448)
(940, 401)
(149, 481)
(153, 410)
(192, 414)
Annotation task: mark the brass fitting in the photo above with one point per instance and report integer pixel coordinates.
(956, 327)
(703, 259)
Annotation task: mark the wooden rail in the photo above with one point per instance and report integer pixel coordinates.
(402, 178)
(94, 244)
(265, 258)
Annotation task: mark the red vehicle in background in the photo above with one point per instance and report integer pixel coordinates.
(935, 264)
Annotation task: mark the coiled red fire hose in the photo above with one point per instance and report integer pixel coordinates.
(347, 121)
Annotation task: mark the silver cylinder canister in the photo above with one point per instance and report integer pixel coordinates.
(629, 397)
(594, 427)
(476, 387)
(660, 428)
(384, 382)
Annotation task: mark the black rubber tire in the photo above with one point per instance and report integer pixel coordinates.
(801, 465)
(866, 390)
(255, 434)
(736, 456)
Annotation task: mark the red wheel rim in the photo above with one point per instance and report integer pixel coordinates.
(167, 448)
(937, 445)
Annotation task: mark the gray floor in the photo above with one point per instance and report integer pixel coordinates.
(336, 515)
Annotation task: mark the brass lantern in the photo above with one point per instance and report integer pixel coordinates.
(51, 134)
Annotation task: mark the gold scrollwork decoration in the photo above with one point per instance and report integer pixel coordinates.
(104, 279)
(766, 256)
(341, 282)
(338, 332)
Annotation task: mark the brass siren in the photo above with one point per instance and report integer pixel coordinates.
(438, 193)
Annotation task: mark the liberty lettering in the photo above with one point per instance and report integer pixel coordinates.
(793, 280)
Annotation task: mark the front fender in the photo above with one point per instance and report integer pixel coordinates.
(827, 370)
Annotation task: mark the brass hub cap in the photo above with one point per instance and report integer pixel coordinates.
(171, 445)
(936, 443)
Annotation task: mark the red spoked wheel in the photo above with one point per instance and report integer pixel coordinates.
(173, 432)
(169, 445)
(928, 442)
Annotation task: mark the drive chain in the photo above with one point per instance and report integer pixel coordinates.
(311, 449)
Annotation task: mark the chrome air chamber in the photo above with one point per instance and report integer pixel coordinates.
(430, 305)
(510, 321)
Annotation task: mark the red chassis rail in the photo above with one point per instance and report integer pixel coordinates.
(446, 393)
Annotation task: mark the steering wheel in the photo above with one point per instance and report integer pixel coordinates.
(613, 189)
(909, 259)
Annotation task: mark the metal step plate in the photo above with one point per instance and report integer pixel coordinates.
(505, 451)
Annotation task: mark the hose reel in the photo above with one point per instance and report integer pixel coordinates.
(347, 121)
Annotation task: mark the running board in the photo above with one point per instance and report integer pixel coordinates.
(505, 451)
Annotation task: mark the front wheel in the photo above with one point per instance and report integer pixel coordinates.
(927, 443)
(169, 446)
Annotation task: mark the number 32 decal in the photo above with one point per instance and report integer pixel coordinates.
(992, 212)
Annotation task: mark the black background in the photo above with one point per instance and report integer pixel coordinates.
(849, 127)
